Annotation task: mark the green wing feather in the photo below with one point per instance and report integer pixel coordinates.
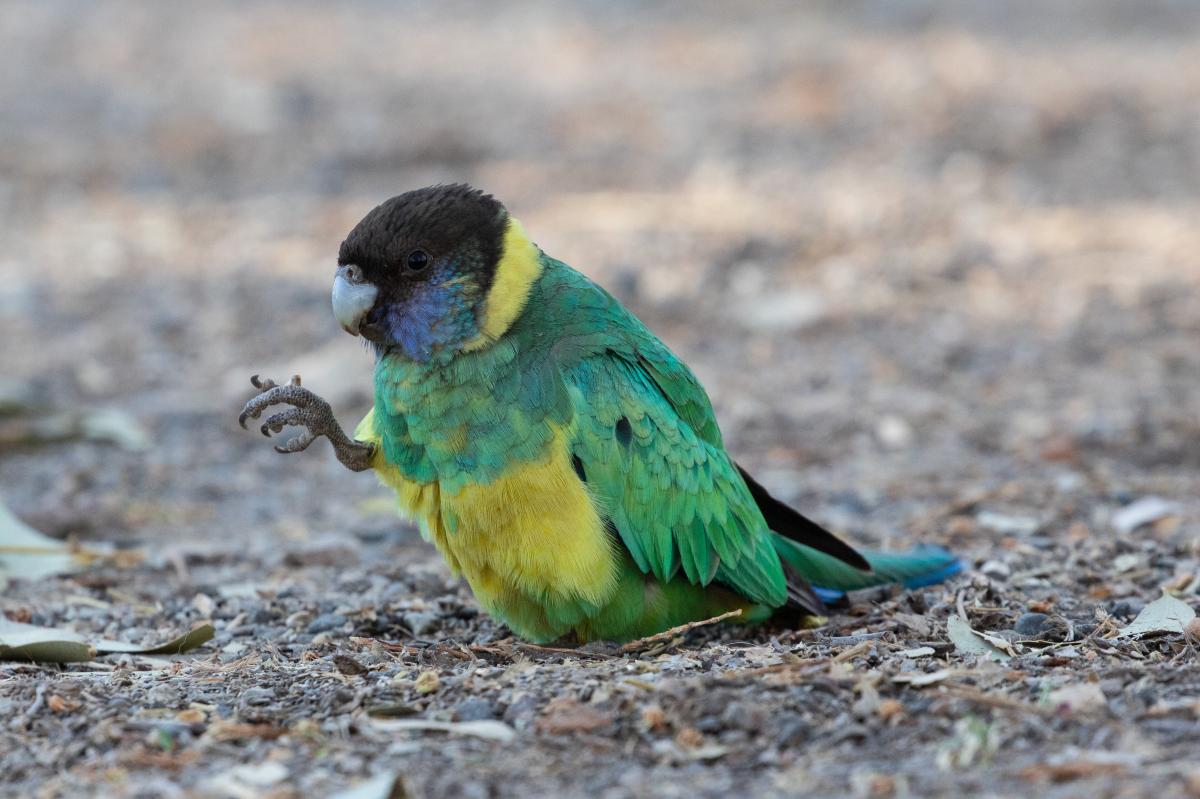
(644, 433)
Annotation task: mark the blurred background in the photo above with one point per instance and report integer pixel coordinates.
(902, 244)
(936, 263)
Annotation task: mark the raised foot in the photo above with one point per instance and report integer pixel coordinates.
(308, 411)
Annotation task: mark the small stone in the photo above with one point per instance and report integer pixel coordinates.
(60, 704)
(792, 732)
(257, 697)
(893, 432)
(890, 710)
(474, 709)
(653, 718)
(1126, 608)
(689, 738)
(996, 570)
(1127, 562)
(204, 605)
(325, 622)
(348, 666)
(1042, 627)
(427, 682)
(1031, 624)
(163, 696)
(420, 622)
(521, 712)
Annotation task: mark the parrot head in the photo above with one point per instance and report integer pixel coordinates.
(417, 273)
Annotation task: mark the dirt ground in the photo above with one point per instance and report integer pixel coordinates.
(936, 263)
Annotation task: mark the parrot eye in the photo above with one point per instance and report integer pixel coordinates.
(354, 273)
(418, 260)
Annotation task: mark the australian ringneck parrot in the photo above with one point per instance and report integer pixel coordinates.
(558, 455)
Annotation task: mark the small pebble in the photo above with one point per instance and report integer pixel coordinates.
(325, 622)
(1032, 625)
(427, 682)
(520, 713)
(1126, 608)
(474, 709)
(257, 697)
(996, 570)
(420, 622)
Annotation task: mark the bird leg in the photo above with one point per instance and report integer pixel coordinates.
(308, 411)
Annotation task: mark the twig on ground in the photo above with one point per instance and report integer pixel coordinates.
(847, 640)
(559, 650)
(667, 635)
(861, 648)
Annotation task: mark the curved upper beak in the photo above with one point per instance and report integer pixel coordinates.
(351, 301)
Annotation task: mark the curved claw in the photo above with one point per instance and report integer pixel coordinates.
(262, 385)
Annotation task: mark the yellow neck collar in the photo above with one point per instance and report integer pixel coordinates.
(520, 265)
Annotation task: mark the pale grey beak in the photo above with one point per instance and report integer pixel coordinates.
(352, 298)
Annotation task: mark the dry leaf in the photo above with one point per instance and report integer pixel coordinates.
(198, 635)
(26, 553)
(42, 644)
(1164, 615)
(973, 642)
(48, 645)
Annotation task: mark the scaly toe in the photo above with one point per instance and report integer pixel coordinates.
(276, 423)
(291, 394)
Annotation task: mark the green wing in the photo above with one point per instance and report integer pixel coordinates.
(645, 442)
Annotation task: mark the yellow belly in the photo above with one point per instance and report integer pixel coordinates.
(528, 542)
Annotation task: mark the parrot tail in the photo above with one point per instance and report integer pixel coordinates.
(831, 578)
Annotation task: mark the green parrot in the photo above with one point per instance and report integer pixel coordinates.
(559, 456)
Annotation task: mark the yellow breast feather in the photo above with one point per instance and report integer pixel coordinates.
(534, 529)
(531, 536)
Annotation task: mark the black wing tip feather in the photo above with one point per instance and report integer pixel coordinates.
(800, 595)
(790, 523)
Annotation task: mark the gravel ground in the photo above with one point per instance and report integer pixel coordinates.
(936, 264)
